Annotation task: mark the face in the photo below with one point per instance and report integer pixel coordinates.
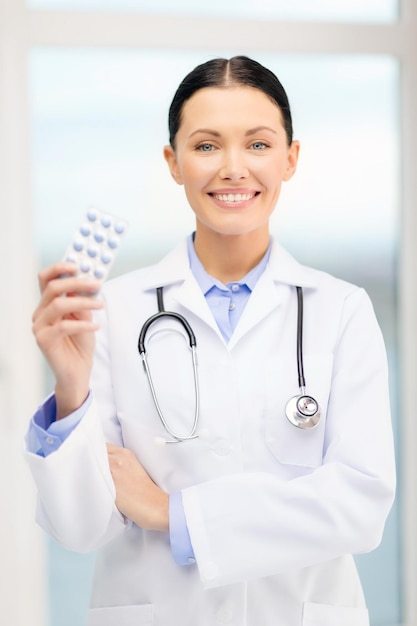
(232, 155)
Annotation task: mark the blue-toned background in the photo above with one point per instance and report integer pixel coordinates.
(98, 128)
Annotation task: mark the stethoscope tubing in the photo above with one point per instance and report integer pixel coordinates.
(193, 432)
(176, 438)
(176, 316)
(300, 317)
(302, 410)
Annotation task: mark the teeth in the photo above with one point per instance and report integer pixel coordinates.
(233, 197)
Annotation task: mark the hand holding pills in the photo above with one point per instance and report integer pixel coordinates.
(63, 321)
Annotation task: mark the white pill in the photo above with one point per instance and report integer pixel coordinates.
(99, 236)
(78, 245)
(92, 215)
(85, 230)
(119, 227)
(99, 272)
(106, 221)
(106, 258)
(113, 242)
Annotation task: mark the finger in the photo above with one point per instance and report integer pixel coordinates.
(47, 336)
(80, 307)
(111, 449)
(121, 456)
(58, 287)
(55, 322)
(55, 271)
(53, 298)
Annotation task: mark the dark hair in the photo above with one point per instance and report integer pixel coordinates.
(239, 70)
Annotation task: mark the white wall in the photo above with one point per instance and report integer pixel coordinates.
(22, 588)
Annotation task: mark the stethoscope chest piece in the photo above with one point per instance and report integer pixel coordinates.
(303, 411)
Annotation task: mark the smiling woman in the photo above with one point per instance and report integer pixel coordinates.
(91, 144)
(232, 172)
(231, 169)
(224, 509)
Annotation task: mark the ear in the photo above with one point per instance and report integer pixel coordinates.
(293, 152)
(171, 158)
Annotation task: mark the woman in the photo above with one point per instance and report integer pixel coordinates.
(240, 516)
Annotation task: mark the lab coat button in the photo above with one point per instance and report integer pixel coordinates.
(191, 560)
(224, 615)
(222, 447)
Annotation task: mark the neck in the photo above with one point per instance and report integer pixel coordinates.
(230, 257)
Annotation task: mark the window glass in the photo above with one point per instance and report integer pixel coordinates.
(99, 125)
(312, 10)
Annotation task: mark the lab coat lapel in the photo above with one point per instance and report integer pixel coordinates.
(264, 299)
(268, 294)
(190, 296)
(174, 270)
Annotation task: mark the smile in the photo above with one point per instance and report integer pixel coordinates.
(233, 197)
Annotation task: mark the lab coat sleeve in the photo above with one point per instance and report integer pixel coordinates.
(254, 524)
(76, 493)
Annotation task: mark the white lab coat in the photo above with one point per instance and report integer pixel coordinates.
(274, 512)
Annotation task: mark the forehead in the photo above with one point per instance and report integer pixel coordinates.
(218, 107)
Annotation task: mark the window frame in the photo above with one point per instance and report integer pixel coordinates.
(22, 29)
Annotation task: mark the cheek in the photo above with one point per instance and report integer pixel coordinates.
(197, 175)
(270, 167)
(271, 178)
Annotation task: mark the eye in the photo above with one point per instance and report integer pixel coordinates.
(258, 145)
(205, 147)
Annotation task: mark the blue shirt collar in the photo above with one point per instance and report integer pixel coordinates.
(207, 282)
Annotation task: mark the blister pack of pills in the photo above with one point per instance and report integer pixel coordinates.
(95, 244)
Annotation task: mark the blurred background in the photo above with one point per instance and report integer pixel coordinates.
(85, 86)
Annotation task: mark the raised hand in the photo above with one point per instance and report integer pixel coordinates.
(64, 330)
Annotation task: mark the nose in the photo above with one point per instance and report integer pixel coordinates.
(234, 166)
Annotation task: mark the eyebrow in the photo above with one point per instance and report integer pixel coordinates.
(251, 131)
(205, 131)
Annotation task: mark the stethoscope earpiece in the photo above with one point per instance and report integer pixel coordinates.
(303, 411)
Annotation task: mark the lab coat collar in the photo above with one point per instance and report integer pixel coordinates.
(174, 270)
(270, 290)
(282, 268)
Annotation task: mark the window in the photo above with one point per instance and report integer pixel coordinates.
(303, 10)
(99, 124)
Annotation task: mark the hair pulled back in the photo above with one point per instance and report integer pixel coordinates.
(239, 70)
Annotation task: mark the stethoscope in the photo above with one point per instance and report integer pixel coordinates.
(303, 411)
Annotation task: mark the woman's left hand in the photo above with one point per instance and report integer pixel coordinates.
(137, 496)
